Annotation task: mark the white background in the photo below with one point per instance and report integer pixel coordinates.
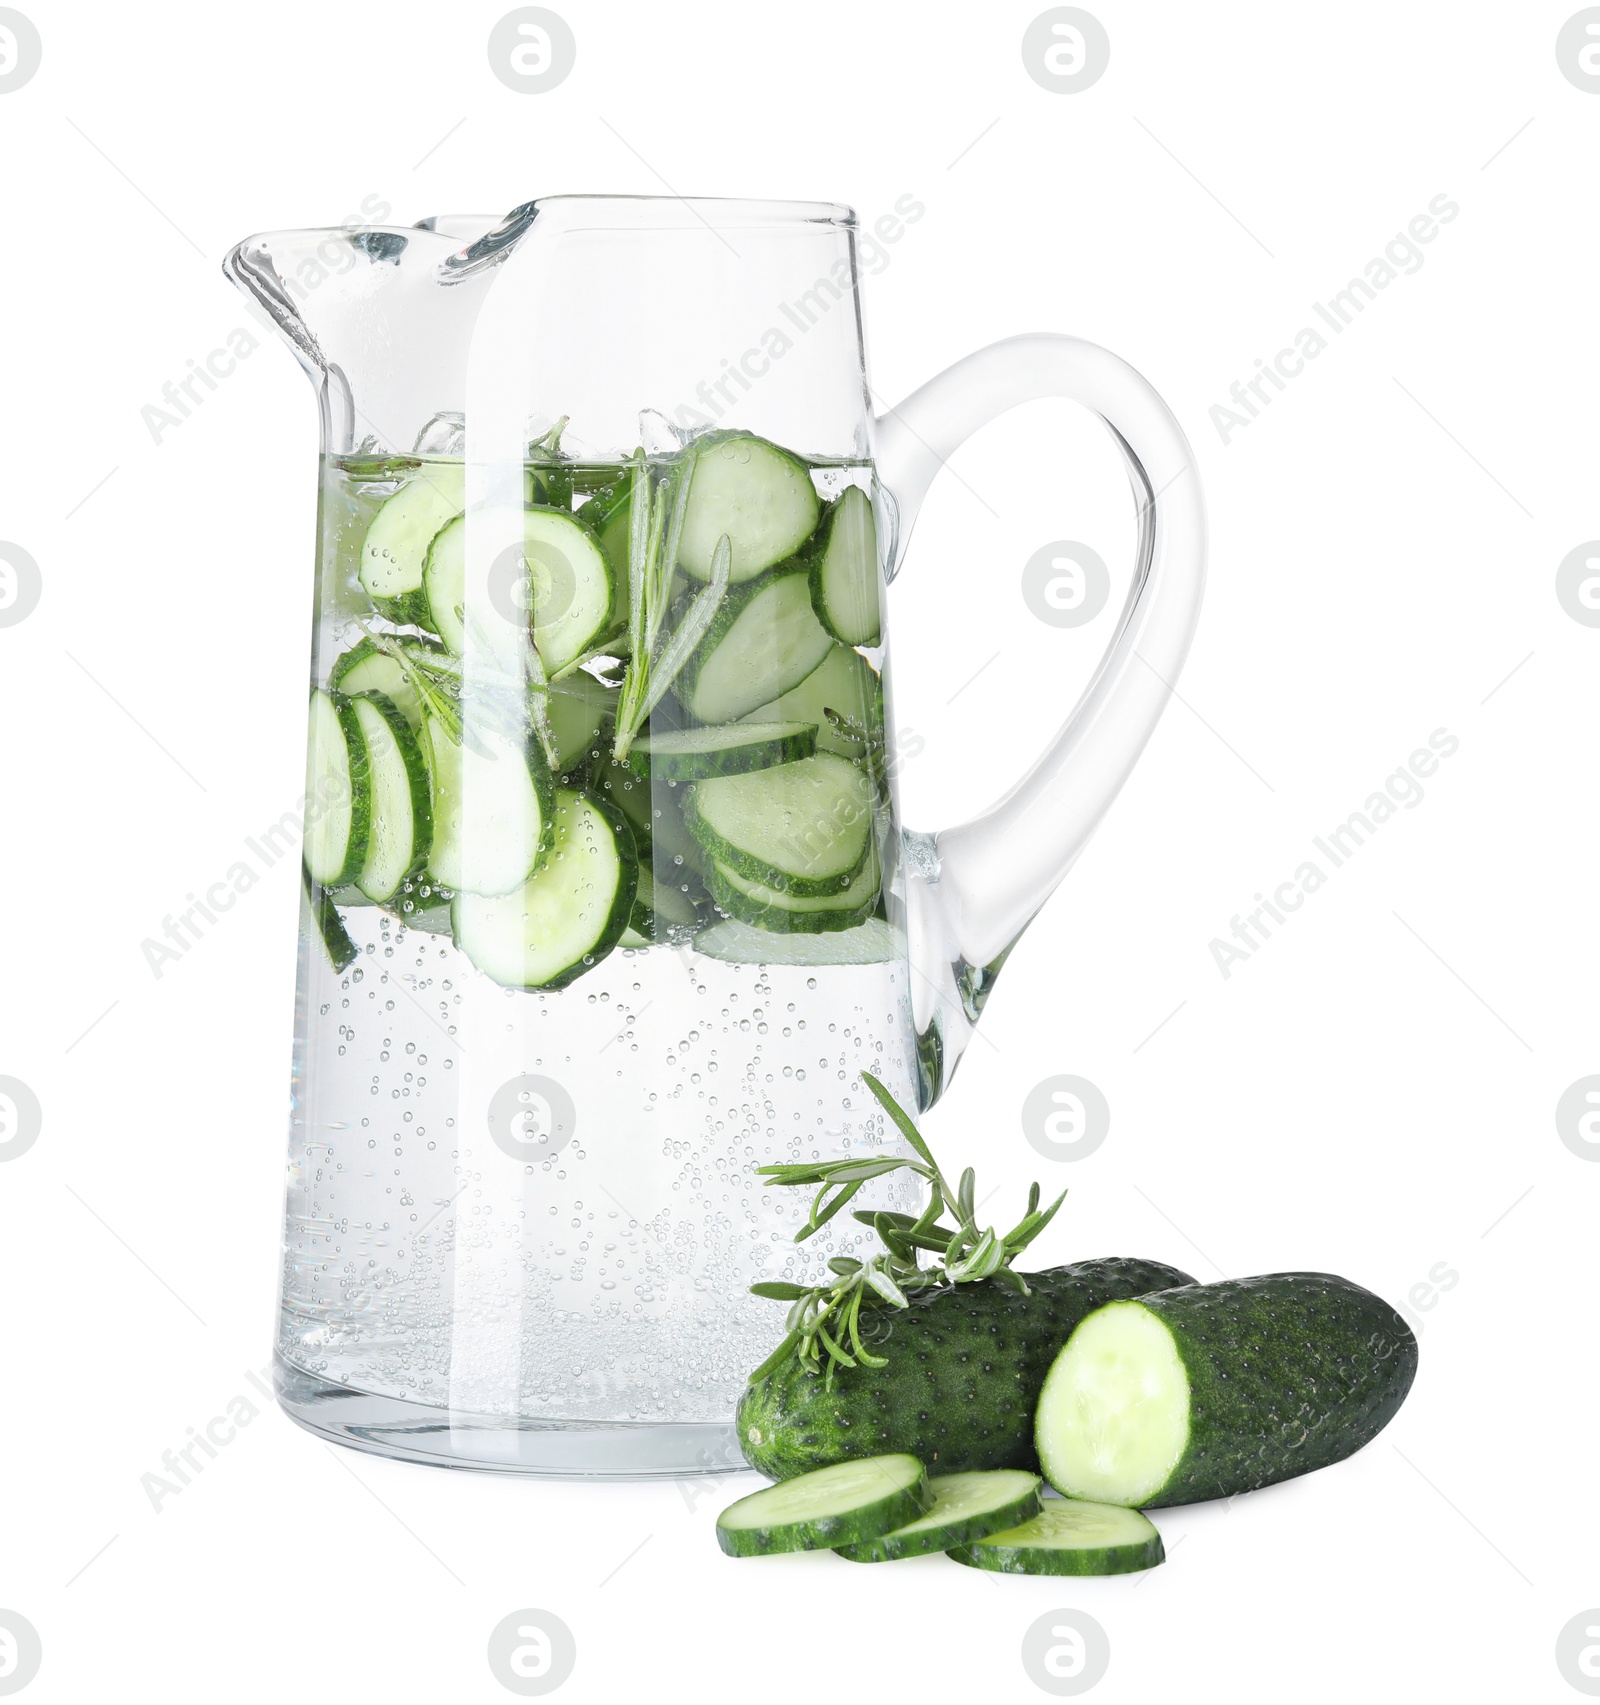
(1364, 1094)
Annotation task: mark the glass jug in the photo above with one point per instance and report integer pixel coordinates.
(606, 898)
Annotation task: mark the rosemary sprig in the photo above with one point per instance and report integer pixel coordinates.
(824, 1320)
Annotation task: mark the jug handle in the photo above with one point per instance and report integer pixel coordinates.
(973, 888)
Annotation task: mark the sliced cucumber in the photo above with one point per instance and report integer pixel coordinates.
(564, 583)
(841, 1505)
(566, 917)
(764, 639)
(491, 801)
(1207, 1391)
(660, 913)
(802, 828)
(757, 494)
(771, 909)
(631, 796)
(577, 709)
(965, 1507)
(693, 754)
(326, 924)
(841, 695)
(871, 943)
(397, 542)
(338, 801)
(402, 818)
(1068, 1538)
(423, 905)
(367, 669)
(844, 571)
(609, 515)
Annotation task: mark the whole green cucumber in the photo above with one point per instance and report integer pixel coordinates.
(1212, 1390)
(965, 1364)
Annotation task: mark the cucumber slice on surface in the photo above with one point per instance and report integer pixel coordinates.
(397, 542)
(764, 639)
(738, 943)
(841, 1505)
(491, 809)
(366, 669)
(844, 571)
(787, 914)
(1211, 1390)
(338, 808)
(577, 709)
(693, 754)
(842, 684)
(1068, 1538)
(802, 828)
(757, 494)
(964, 1507)
(401, 828)
(565, 583)
(566, 917)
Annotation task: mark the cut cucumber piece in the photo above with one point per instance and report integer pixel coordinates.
(577, 709)
(1211, 1390)
(1068, 1538)
(631, 796)
(401, 829)
(491, 808)
(802, 828)
(764, 639)
(338, 801)
(366, 669)
(326, 924)
(660, 913)
(397, 542)
(738, 943)
(564, 582)
(842, 1505)
(841, 695)
(693, 754)
(568, 916)
(784, 914)
(757, 494)
(844, 571)
(609, 516)
(965, 1507)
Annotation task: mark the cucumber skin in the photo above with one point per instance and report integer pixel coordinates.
(1044, 1560)
(965, 1367)
(825, 1533)
(778, 920)
(890, 1549)
(410, 750)
(1288, 1372)
(733, 761)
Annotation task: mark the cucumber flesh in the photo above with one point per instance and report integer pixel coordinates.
(1068, 1538)
(397, 542)
(965, 1507)
(660, 913)
(326, 924)
(564, 584)
(401, 828)
(490, 801)
(771, 909)
(568, 915)
(757, 494)
(841, 1505)
(366, 669)
(695, 754)
(841, 695)
(577, 709)
(738, 943)
(337, 800)
(844, 572)
(764, 639)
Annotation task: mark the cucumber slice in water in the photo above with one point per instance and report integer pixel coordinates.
(567, 916)
(577, 709)
(802, 828)
(397, 541)
(693, 754)
(1210, 1390)
(338, 805)
(491, 804)
(965, 1507)
(764, 639)
(564, 582)
(738, 943)
(785, 914)
(660, 913)
(326, 924)
(841, 695)
(401, 828)
(757, 494)
(841, 1505)
(367, 669)
(844, 571)
(1068, 1538)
